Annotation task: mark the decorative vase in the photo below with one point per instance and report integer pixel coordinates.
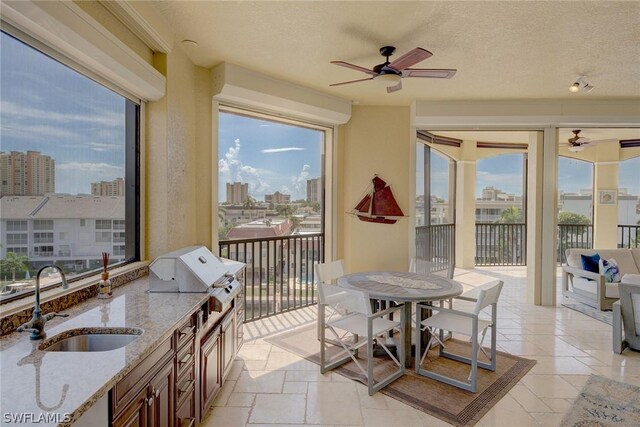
(104, 287)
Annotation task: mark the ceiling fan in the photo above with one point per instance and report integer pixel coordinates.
(578, 143)
(390, 73)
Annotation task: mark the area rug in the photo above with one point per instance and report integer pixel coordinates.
(449, 403)
(603, 316)
(605, 402)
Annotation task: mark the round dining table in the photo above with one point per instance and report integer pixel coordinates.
(402, 287)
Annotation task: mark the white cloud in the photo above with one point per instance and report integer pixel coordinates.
(88, 167)
(102, 118)
(300, 182)
(282, 150)
(76, 177)
(285, 190)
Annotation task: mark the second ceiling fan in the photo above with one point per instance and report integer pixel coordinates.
(392, 72)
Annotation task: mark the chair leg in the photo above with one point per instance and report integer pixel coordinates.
(370, 358)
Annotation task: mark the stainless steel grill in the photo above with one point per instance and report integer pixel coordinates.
(196, 269)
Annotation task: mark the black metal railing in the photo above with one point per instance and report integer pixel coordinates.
(629, 236)
(501, 244)
(436, 243)
(279, 275)
(573, 236)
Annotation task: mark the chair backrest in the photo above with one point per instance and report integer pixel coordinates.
(344, 301)
(328, 272)
(488, 295)
(422, 266)
(630, 307)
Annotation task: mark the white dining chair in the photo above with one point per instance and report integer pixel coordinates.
(328, 273)
(422, 266)
(353, 325)
(466, 323)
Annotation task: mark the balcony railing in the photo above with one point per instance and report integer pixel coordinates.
(573, 236)
(436, 243)
(501, 244)
(279, 275)
(629, 236)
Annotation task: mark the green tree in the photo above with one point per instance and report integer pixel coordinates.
(513, 215)
(572, 218)
(14, 263)
(285, 211)
(249, 203)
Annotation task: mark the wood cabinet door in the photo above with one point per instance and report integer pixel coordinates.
(229, 342)
(162, 397)
(135, 413)
(210, 374)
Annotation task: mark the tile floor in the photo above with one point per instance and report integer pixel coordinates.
(269, 386)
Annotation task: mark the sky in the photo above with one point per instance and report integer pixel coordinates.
(47, 107)
(505, 173)
(269, 156)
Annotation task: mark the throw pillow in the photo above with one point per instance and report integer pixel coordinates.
(609, 268)
(590, 262)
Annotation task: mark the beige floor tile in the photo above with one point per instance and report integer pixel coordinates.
(241, 399)
(308, 376)
(390, 417)
(557, 405)
(288, 362)
(548, 365)
(278, 408)
(529, 401)
(226, 416)
(223, 395)
(333, 403)
(295, 387)
(377, 401)
(260, 382)
(552, 386)
(548, 419)
(254, 352)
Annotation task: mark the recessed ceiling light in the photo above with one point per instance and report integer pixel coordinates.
(574, 87)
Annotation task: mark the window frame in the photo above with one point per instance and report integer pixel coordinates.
(134, 110)
(327, 166)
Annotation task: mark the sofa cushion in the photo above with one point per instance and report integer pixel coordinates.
(635, 300)
(587, 285)
(609, 269)
(626, 261)
(590, 263)
(636, 256)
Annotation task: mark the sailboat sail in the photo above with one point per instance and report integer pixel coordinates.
(378, 205)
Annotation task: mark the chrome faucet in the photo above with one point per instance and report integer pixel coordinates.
(36, 324)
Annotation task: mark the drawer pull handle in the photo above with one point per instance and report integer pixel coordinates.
(157, 393)
(186, 387)
(149, 401)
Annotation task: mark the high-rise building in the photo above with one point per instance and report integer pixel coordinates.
(26, 174)
(314, 190)
(237, 192)
(108, 188)
(277, 198)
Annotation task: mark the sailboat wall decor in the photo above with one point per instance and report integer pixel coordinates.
(378, 204)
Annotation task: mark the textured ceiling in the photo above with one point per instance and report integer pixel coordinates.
(502, 50)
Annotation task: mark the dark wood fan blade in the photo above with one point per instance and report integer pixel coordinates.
(410, 58)
(352, 81)
(391, 89)
(429, 72)
(354, 67)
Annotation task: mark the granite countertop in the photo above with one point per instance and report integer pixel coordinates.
(36, 382)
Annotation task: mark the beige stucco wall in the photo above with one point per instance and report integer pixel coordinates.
(376, 140)
(178, 152)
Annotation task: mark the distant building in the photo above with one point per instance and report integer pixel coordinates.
(108, 188)
(314, 190)
(72, 231)
(310, 225)
(581, 203)
(261, 229)
(277, 198)
(26, 174)
(237, 192)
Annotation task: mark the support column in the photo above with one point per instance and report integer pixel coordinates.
(534, 217)
(605, 217)
(466, 213)
(549, 217)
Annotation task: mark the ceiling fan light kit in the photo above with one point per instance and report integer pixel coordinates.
(390, 74)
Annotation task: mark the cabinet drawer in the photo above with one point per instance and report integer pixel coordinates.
(185, 358)
(186, 383)
(186, 412)
(129, 386)
(185, 332)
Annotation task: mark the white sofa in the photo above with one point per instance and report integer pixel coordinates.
(591, 288)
